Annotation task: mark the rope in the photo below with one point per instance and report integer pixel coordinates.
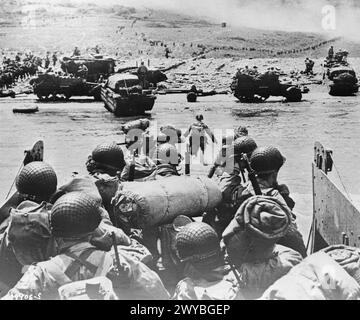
(12, 185)
(342, 183)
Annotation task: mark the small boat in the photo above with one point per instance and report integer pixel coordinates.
(26, 110)
(123, 96)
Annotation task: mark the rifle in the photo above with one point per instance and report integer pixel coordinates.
(212, 171)
(251, 175)
(117, 258)
(132, 168)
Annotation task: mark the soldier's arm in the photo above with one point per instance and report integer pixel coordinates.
(210, 133)
(187, 132)
(32, 285)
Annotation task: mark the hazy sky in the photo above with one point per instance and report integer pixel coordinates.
(297, 15)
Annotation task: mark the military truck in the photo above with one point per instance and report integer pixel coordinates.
(97, 66)
(259, 87)
(341, 80)
(48, 85)
(123, 95)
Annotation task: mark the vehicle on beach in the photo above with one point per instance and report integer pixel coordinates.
(97, 66)
(341, 79)
(250, 88)
(124, 96)
(50, 85)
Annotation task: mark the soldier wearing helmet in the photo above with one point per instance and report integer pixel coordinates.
(231, 182)
(37, 181)
(172, 134)
(198, 248)
(106, 158)
(197, 136)
(250, 244)
(266, 162)
(73, 219)
(167, 159)
(240, 131)
(142, 73)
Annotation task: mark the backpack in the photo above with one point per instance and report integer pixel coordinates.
(29, 232)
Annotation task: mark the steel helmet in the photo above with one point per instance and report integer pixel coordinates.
(240, 131)
(73, 214)
(37, 179)
(197, 242)
(266, 160)
(199, 117)
(244, 144)
(109, 153)
(167, 153)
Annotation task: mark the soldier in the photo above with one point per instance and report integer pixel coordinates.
(167, 52)
(250, 243)
(232, 184)
(197, 136)
(106, 158)
(37, 182)
(171, 134)
(240, 131)
(331, 53)
(167, 159)
(83, 71)
(47, 60)
(54, 58)
(76, 52)
(141, 73)
(266, 162)
(206, 276)
(73, 219)
(17, 57)
(309, 65)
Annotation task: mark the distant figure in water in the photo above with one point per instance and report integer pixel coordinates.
(198, 131)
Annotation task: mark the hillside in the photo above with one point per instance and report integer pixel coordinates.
(131, 32)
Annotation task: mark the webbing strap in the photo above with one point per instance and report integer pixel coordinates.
(79, 261)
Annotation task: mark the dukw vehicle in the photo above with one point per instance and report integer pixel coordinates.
(124, 96)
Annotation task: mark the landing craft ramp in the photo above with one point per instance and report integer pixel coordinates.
(336, 220)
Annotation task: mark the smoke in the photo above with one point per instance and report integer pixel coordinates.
(282, 15)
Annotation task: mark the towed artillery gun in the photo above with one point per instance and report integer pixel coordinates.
(257, 88)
